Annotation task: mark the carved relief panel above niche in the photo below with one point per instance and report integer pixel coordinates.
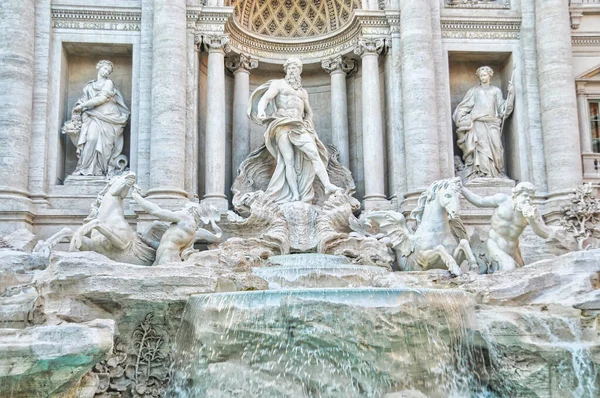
(478, 4)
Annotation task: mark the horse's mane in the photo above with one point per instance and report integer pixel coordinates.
(95, 206)
(430, 194)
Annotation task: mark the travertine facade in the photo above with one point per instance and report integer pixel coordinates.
(383, 80)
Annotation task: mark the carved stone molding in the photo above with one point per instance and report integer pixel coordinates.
(339, 64)
(497, 4)
(585, 40)
(94, 19)
(240, 61)
(216, 43)
(369, 45)
(340, 42)
(507, 29)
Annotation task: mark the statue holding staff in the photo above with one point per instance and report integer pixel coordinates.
(479, 119)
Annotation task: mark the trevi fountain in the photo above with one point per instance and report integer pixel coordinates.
(299, 198)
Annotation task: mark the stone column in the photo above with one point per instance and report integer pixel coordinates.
(17, 35)
(557, 95)
(372, 126)
(338, 68)
(16, 93)
(145, 95)
(40, 137)
(240, 65)
(216, 141)
(419, 95)
(585, 133)
(169, 78)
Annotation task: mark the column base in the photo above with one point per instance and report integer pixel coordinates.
(166, 193)
(376, 202)
(218, 201)
(16, 212)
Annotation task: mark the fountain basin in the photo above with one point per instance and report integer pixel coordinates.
(317, 270)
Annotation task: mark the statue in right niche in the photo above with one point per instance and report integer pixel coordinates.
(480, 119)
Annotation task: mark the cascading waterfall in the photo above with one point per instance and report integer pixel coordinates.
(352, 340)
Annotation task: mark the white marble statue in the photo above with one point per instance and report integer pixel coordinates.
(440, 240)
(479, 120)
(97, 124)
(106, 230)
(290, 137)
(184, 229)
(510, 217)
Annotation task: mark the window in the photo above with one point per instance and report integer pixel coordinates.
(595, 124)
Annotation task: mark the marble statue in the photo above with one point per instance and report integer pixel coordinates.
(106, 230)
(183, 230)
(290, 137)
(510, 217)
(97, 124)
(440, 240)
(479, 119)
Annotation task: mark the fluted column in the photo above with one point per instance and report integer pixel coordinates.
(216, 141)
(338, 68)
(585, 133)
(16, 93)
(372, 126)
(169, 82)
(240, 65)
(557, 95)
(17, 24)
(419, 95)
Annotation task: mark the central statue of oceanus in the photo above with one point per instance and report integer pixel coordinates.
(290, 137)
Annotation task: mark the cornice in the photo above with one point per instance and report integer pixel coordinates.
(96, 18)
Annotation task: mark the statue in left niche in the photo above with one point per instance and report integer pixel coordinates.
(96, 126)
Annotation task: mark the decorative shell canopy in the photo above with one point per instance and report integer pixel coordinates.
(293, 18)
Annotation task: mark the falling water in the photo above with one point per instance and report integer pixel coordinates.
(322, 343)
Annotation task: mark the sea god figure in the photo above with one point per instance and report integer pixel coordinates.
(479, 120)
(290, 137)
(96, 127)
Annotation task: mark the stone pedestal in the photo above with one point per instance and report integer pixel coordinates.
(214, 179)
(372, 125)
(169, 77)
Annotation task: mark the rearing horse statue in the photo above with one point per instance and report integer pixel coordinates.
(440, 240)
(107, 232)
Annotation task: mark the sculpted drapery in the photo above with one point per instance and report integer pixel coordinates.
(102, 115)
(479, 117)
(300, 133)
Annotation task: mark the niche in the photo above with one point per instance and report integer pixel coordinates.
(462, 68)
(79, 67)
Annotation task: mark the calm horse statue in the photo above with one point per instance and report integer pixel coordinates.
(440, 240)
(107, 232)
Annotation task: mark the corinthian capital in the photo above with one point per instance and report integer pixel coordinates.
(240, 61)
(216, 42)
(369, 46)
(338, 63)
